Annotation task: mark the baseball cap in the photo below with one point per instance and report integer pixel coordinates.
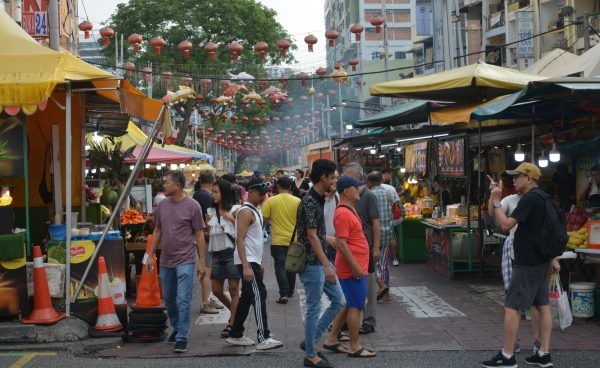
(528, 169)
(258, 184)
(346, 182)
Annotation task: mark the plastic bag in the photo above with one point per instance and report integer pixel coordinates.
(559, 304)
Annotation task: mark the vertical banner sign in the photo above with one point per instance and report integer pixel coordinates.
(424, 20)
(525, 33)
(35, 18)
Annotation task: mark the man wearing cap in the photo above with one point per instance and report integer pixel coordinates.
(351, 262)
(529, 281)
(248, 258)
(281, 210)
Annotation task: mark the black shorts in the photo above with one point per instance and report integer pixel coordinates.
(223, 267)
(528, 287)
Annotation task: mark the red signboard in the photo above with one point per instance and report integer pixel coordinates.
(35, 18)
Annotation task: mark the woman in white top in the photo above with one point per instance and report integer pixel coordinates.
(221, 243)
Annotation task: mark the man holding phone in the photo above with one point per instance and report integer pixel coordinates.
(591, 192)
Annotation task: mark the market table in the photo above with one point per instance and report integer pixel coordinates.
(410, 237)
(452, 248)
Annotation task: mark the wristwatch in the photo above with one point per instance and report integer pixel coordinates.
(497, 205)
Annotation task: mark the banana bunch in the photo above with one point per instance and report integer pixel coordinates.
(578, 238)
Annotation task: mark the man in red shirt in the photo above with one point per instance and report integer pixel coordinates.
(352, 260)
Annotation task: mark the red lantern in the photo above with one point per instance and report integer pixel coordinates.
(167, 76)
(205, 83)
(261, 48)
(106, 34)
(283, 45)
(357, 29)
(135, 39)
(377, 21)
(130, 67)
(147, 73)
(302, 76)
(234, 119)
(310, 41)
(353, 62)
(256, 120)
(235, 49)
(244, 119)
(266, 120)
(211, 48)
(185, 47)
(332, 35)
(321, 72)
(85, 27)
(303, 99)
(157, 42)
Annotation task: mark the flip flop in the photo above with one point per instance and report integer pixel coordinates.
(336, 348)
(382, 292)
(359, 353)
(282, 300)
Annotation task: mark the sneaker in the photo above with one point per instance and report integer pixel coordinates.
(517, 348)
(215, 304)
(240, 341)
(500, 361)
(208, 309)
(395, 262)
(540, 361)
(172, 339)
(536, 347)
(180, 347)
(268, 344)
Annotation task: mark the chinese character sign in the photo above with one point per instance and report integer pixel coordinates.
(525, 34)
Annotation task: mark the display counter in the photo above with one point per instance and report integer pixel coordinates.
(410, 237)
(452, 248)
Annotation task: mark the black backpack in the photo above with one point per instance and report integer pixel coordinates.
(552, 241)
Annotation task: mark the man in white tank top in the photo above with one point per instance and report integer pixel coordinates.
(248, 258)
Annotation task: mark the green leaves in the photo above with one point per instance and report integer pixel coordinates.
(111, 159)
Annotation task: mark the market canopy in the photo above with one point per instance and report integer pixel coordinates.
(556, 96)
(158, 156)
(29, 72)
(553, 63)
(587, 64)
(472, 83)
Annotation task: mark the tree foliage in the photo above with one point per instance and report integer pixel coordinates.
(220, 21)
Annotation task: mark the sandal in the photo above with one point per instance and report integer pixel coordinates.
(336, 348)
(226, 331)
(282, 300)
(382, 292)
(362, 353)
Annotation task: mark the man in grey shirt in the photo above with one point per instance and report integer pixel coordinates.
(368, 212)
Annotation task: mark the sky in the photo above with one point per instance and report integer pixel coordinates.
(299, 18)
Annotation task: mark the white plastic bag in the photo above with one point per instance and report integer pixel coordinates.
(559, 304)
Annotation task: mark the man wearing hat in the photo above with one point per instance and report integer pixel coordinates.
(529, 282)
(248, 258)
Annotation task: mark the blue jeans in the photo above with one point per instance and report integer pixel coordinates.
(313, 278)
(177, 293)
(285, 280)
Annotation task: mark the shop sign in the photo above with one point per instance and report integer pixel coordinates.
(34, 19)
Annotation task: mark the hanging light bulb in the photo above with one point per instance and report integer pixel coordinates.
(554, 154)
(519, 154)
(97, 138)
(147, 166)
(543, 160)
(372, 151)
(403, 170)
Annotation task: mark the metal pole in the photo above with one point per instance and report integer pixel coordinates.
(53, 25)
(385, 42)
(340, 109)
(68, 191)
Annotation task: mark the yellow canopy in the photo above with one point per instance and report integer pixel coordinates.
(553, 64)
(245, 173)
(29, 72)
(471, 83)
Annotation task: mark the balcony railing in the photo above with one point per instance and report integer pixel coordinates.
(494, 20)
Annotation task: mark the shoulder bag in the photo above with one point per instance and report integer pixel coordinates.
(296, 255)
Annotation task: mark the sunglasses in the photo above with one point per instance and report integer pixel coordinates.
(262, 187)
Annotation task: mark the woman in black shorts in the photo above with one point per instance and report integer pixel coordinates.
(222, 245)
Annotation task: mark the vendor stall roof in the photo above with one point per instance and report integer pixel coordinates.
(472, 83)
(553, 63)
(551, 98)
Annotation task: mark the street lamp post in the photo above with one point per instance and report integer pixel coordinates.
(340, 110)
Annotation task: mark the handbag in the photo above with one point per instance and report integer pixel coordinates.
(296, 255)
(397, 211)
(559, 304)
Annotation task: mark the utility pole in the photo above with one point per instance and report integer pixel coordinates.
(586, 31)
(53, 29)
(385, 42)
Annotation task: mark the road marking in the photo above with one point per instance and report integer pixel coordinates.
(302, 300)
(423, 303)
(208, 319)
(27, 357)
(494, 292)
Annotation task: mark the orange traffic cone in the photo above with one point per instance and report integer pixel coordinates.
(107, 318)
(148, 289)
(43, 311)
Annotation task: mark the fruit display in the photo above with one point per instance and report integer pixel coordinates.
(131, 217)
(578, 238)
(109, 196)
(576, 219)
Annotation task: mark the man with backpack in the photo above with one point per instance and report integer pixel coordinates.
(529, 282)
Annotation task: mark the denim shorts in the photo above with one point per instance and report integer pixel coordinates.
(355, 292)
(223, 267)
